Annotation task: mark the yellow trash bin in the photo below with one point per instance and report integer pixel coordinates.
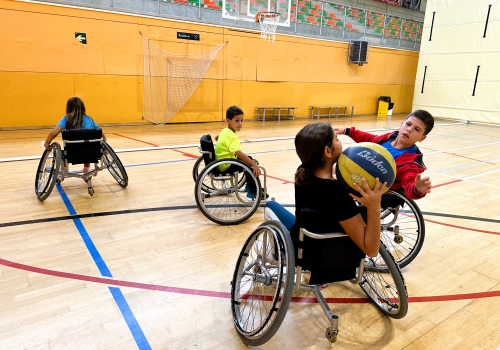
(383, 107)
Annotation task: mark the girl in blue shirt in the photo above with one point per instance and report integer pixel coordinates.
(75, 118)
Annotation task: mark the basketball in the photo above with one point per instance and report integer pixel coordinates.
(365, 160)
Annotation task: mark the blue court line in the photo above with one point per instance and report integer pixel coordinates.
(170, 161)
(464, 166)
(129, 317)
(122, 304)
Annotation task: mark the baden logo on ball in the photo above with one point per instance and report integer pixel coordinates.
(365, 160)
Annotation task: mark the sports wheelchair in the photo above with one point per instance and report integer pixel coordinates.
(223, 196)
(263, 280)
(80, 146)
(402, 227)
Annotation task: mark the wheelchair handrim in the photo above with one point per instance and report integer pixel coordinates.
(201, 197)
(237, 283)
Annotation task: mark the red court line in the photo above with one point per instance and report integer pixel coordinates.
(462, 228)
(207, 293)
(446, 183)
(284, 181)
(152, 144)
(454, 154)
(187, 154)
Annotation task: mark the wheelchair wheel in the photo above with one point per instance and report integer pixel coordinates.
(114, 165)
(198, 168)
(386, 290)
(262, 284)
(47, 172)
(225, 203)
(402, 228)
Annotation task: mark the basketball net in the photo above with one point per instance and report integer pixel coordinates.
(170, 79)
(268, 24)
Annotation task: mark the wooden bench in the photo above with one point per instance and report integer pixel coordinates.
(330, 109)
(274, 109)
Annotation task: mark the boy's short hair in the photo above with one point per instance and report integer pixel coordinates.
(233, 111)
(425, 117)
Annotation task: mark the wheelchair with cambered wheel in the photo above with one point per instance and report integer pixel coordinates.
(80, 146)
(402, 227)
(223, 186)
(267, 274)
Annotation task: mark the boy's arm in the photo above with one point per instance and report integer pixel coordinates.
(410, 179)
(246, 159)
(216, 137)
(358, 135)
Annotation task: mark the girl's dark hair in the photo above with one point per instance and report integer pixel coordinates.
(310, 144)
(75, 110)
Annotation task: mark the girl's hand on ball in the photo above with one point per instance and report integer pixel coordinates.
(369, 198)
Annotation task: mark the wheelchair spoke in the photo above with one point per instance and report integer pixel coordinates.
(402, 228)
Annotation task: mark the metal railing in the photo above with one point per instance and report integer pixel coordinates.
(321, 18)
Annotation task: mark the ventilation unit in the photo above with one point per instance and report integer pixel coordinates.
(358, 51)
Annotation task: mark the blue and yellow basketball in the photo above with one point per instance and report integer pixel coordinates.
(368, 160)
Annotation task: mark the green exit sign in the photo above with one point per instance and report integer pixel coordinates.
(82, 37)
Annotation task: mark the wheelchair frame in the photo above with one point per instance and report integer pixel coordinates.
(236, 183)
(259, 272)
(57, 173)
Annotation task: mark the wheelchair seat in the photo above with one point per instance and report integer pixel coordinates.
(328, 260)
(82, 145)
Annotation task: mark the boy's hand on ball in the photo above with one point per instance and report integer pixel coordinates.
(423, 185)
(369, 197)
(339, 131)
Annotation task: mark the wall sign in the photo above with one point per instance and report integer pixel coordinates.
(82, 37)
(188, 36)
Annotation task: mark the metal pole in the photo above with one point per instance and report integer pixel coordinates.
(296, 13)
(158, 6)
(343, 27)
(111, 3)
(199, 9)
(322, 4)
(366, 15)
(400, 32)
(383, 30)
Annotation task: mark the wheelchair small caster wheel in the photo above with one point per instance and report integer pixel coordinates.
(91, 191)
(331, 335)
(273, 199)
(398, 239)
(58, 181)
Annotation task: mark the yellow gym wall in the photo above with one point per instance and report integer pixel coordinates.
(42, 64)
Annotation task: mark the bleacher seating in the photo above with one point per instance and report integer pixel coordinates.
(334, 16)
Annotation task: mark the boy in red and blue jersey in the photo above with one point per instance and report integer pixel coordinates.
(401, 145)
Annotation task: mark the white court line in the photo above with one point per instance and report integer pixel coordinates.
(454, 149)
(15, 159)
(489, 172)
(466, 179)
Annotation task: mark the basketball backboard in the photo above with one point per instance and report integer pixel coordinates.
(246, 10)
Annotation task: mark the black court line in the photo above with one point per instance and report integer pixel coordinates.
(184, 207)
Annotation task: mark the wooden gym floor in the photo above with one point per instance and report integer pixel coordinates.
(148, 270)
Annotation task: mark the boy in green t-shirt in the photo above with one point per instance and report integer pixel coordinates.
(228, 146)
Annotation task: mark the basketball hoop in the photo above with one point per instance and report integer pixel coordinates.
(268, 24)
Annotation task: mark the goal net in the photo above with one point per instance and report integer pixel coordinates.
(170, 79)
